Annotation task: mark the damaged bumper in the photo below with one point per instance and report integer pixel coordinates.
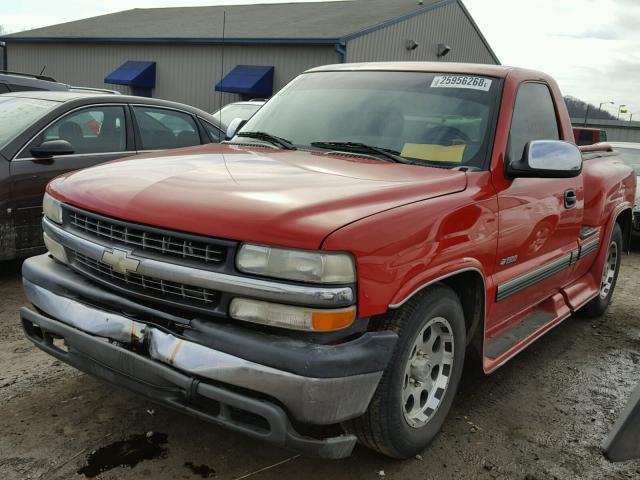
(188, 374)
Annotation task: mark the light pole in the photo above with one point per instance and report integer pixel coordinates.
(610, 103)
(620, 109)
(586, 114)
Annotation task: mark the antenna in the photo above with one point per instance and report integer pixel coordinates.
(42, 71)
(224, 26)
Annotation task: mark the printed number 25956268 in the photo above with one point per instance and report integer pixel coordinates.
(461, 81)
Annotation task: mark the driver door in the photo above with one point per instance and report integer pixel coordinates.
(539, 218)
(96, 133)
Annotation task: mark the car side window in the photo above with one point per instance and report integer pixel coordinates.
(90, 130)
(162, 129)
(534, 118)
(214, 133)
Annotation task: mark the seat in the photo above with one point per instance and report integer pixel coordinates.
(72, 133)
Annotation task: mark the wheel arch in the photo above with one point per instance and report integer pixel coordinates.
(470, 286)
(625, 220)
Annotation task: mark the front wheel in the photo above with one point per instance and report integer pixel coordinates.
(418, 386)
(613, 257)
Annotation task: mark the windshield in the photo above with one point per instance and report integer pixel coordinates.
(630, 156)
(17, 113)
(233, 111)
(428, 118)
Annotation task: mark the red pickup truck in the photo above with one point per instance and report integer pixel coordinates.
(317, 280)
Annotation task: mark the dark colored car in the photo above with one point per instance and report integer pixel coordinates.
(45, 134)
(11, 82)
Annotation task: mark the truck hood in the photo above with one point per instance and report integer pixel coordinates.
(253, 194)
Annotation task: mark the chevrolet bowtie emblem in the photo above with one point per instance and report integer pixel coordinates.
(120, 261)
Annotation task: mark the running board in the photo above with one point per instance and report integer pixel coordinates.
(497, 346)
(531, 326)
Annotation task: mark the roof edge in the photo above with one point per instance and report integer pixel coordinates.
(396, 20)
(478, 31)
(175, 40)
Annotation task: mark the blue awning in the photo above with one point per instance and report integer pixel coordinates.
(248, 80)
(134, 74)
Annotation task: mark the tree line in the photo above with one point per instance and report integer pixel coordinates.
(578, 109)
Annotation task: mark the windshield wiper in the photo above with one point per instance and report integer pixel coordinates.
(387, 153)
(267, 137)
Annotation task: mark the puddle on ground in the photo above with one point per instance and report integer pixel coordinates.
(204, 471)
(125, 453)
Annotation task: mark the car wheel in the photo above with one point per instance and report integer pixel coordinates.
(613, 257)
(418, 386)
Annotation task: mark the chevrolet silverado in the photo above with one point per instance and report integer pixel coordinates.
(318, 279)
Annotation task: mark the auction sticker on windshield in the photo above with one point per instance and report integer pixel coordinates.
(461, 81)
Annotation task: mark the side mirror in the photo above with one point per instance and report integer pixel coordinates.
(547, 159)
(52, 148)
(235, 125)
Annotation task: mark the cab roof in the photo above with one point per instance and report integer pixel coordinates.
(500, 71)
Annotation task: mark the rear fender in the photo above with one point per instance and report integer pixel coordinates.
(596, 268)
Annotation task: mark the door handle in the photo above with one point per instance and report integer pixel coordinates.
(570, 198)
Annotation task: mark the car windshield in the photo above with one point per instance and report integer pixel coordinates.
(630, 156)
(431, 119)
(17, 113)
(235, 110)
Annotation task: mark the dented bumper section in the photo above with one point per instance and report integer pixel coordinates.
(180, 372)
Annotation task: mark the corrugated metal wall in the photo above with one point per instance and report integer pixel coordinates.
(184, 73)
(188, 73)
(447, 24)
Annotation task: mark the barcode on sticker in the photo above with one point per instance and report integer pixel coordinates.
(461, 81)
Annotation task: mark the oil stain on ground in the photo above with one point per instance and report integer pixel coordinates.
(204, 471)
(125, 453)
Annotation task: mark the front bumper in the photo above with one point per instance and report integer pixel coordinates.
(188, 374)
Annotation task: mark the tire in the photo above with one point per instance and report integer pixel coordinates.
(601, 302)
(394, 425)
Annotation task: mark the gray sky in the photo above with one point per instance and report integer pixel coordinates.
(592, 47)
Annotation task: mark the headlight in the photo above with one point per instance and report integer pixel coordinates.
(52, 208)
(302, 265)
(287, 316)
(55, 249)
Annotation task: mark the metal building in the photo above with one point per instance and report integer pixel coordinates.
(186, 55)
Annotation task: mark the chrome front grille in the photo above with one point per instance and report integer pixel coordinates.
(143, 238)
(148, 286)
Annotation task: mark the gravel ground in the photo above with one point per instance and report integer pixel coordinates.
(543, 415)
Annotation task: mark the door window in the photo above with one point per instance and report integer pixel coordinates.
(162, 129)
(90, 130)
(534, 118)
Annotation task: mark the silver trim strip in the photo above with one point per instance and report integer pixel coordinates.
(532, 277)
(586, 232)
(242, 286)
(309, 399)
(589, 247)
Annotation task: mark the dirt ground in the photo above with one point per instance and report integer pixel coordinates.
(541, 416)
